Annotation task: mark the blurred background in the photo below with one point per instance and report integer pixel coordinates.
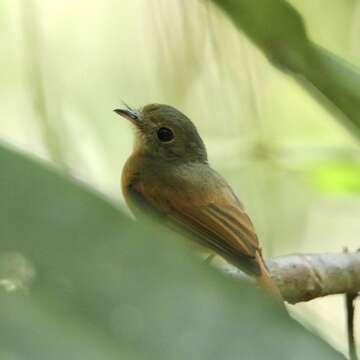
(66, 65)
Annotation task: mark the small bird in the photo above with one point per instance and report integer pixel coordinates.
(168, 175)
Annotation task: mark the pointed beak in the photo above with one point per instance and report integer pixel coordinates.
(130, 114)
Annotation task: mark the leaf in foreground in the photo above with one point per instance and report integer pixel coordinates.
(92, 284)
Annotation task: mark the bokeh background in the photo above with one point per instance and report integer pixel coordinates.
(66, 65)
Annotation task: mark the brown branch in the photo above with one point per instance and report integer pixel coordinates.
(306, 277)
(309, 276)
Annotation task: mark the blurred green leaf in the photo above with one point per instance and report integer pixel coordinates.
(337, 177)
(105, 288)
(279, 31)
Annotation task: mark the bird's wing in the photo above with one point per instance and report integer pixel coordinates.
(219, 223)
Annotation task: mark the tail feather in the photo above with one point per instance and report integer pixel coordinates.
(266, 281)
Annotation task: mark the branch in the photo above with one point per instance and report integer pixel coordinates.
(309, 276)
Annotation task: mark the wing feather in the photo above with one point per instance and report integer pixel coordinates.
(223, 227)
(236, 222)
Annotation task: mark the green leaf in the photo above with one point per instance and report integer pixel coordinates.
(99, 286)
(279, 31)
(337, 177)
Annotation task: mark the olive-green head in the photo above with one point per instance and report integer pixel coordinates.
(165, 133)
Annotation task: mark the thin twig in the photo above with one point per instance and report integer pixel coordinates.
(350, 311)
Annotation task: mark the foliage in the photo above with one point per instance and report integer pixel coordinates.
(337, 177)
(66, 65)
(99, 287)
(279, 31)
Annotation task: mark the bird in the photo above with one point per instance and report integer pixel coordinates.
(168, 176)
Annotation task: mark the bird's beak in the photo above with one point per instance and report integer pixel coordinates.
(130, 114)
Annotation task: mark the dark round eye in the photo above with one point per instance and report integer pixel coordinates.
(165, 134)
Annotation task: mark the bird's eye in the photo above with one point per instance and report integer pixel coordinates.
(165, 134)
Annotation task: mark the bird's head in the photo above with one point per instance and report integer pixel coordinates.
(165, 133)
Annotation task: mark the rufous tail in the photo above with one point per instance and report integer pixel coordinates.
(266, 281)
